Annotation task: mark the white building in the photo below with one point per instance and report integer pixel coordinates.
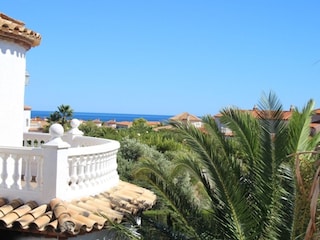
(16, 40)
(58, 185)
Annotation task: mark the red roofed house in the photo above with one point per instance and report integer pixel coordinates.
(187, 117)
(58, 185)
(111, 124)
(124, 124)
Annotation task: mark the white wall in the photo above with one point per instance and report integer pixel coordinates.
(12, 84)
(27, 120)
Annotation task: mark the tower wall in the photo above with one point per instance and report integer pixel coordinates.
(12, 84)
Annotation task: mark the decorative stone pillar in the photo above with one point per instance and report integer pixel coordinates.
(55, 166)
(74, 132)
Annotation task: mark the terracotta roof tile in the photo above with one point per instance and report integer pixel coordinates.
(42, 221)
(31, 216)
(14, 30)
(17, 213)
(78, 216)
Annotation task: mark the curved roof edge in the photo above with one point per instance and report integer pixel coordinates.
(15, 31)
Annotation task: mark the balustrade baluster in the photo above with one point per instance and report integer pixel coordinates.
(90, 171)
(16, 175)
(102, 174)
(81, 176)
(109, 162)
(4, 174)
(99, 172)
(87, 173)
(28, 175)
(73, 175)
(94, 168)
(114, 161)
(39, 175)
(105, 167)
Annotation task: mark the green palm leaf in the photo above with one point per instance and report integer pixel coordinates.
(220, 179)
(178, 203)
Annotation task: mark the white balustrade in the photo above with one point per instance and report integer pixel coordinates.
(64, 165)
(35, 139)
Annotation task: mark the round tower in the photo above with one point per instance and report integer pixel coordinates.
(15, 41)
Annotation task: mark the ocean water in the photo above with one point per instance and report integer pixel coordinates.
(119, 117)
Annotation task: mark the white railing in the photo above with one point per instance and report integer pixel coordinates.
(66, 166)
(35, 139)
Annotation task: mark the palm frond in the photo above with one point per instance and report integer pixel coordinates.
(181, 207)
(218, 167)
(275, 198)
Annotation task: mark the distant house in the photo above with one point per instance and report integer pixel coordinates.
(97, 122)
(111, 124)
(124, 124)
(37, 124)
(153, 124)
(188, 118)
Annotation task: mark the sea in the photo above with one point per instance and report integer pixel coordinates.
(104, 117)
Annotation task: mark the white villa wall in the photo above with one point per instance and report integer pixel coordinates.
(27, 120)
(197, 124)
(12, 84)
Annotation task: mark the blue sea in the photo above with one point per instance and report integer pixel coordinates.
(119, 117)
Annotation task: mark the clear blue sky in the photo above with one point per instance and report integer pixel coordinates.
(170, 56)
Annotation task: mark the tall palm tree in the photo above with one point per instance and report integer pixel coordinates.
(248, 181)
(66, 112)
(62, 116)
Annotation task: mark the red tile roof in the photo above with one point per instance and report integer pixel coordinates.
(15, 31)
(186, 117)
(64, 219)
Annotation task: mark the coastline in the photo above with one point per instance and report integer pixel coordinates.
(104, 117)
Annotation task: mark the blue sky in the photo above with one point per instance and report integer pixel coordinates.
(170, 56)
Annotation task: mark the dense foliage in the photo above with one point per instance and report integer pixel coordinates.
(261, 183)
(243, 187)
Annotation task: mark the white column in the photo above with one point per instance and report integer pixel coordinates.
(55, 166)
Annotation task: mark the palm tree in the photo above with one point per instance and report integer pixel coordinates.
(66, 113)
(62, 116)
(248, 181)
